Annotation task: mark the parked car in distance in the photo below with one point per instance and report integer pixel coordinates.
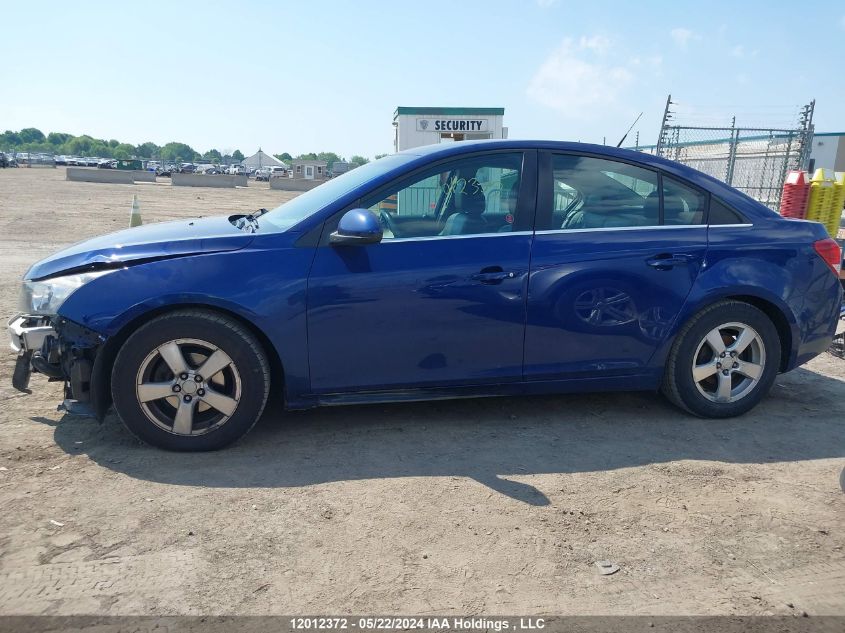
(468, 269)
(236, 170)
(4, 161)
(262, 173)
(187, 168)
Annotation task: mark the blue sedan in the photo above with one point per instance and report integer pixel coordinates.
(470, 269)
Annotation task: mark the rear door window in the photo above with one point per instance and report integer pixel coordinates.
(594, 193)
(682, 204)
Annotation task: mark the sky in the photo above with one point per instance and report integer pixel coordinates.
(327, 76)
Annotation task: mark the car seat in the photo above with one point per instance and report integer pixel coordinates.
(470, 204)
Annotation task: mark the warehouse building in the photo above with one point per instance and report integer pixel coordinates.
(414, 127)
(828, 151)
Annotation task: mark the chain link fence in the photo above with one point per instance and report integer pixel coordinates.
(754, 160)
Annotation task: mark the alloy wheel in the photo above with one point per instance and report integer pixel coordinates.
(188, 386)
(729, 362)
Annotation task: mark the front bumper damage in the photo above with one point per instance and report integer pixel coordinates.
(61, 350)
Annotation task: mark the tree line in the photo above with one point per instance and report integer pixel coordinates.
(34, 140)
(327, 157)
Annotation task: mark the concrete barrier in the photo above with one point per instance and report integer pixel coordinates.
(200, 180)
(139, 175)
(84, 174)
(294, 184)
(119, 176)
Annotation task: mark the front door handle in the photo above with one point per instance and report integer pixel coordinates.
(667, 261)
(493, 275)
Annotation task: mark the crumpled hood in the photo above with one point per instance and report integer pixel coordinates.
(146, 242)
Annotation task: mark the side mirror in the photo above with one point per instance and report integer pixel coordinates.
(358, 226)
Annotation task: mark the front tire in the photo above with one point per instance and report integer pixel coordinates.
(724, 361)
(190, 381)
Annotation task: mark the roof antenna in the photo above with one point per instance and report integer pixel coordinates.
(622, 140)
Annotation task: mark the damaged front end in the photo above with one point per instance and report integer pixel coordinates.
(63, 351)
(50, 344)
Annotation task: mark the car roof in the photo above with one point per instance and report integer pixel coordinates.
(724, 191)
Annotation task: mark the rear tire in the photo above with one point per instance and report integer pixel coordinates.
(190, 381)
(723, 362)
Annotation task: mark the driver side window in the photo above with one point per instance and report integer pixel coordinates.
(470, 196)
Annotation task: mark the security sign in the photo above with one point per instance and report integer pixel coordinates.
(453, 125)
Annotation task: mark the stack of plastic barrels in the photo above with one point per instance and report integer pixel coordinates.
(838, 204)
(820, 199)
(793, 202)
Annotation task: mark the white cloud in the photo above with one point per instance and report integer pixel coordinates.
(738, 51)
(655, 62)
(545, 4)
(682, 37)
(842, 22)
(576, 79)
(598, 43)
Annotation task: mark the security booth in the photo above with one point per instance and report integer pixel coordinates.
(414, 127)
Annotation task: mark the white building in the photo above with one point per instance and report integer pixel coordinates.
(414, 127)
(828, 151)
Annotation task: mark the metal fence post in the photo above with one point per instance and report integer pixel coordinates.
(729, 172)
(664, 126)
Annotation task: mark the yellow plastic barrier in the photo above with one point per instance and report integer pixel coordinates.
(820, 201)
(838, 199)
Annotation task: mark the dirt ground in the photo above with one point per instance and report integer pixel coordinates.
(497, 506)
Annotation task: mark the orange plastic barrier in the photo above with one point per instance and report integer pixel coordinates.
(796, 189)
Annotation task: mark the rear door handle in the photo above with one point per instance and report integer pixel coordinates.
(493, 275)
(667, 261)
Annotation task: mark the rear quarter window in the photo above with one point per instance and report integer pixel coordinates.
(720, 214)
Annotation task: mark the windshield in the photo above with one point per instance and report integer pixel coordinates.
(296, 210)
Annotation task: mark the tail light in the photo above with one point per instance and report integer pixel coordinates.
(830, 252)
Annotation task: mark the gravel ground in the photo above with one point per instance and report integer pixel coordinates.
(490, 506)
